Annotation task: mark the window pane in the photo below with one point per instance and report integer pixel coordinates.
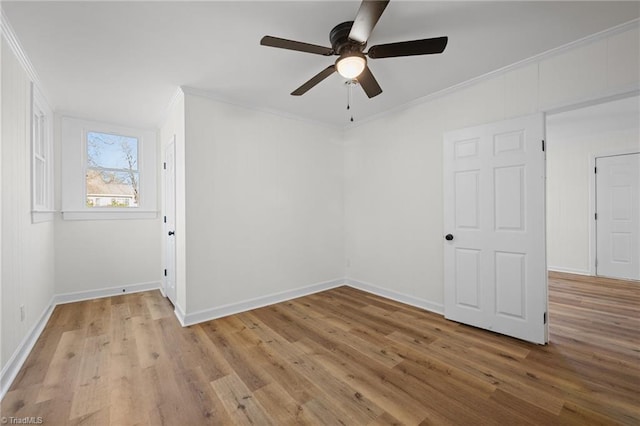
(112, 151)
(112, 188)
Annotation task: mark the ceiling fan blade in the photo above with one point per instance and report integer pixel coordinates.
(283, 43)
(409, 48)
(367, 18)
(314, 80)
(369, 83)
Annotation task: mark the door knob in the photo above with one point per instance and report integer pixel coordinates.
(171, 233)
(448, 237)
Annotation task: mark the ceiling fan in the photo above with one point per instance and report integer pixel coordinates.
(348, 41)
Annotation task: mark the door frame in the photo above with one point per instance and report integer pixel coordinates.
(593, 236)
(165, 293)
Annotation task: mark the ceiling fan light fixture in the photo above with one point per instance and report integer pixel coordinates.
(350, 66)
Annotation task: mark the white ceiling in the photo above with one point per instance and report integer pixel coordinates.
(122, 62)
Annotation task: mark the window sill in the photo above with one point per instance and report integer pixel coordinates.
(111, 214)
(41, 216)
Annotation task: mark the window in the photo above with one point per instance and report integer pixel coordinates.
(41, 158)
(112, 170)
(108, 172)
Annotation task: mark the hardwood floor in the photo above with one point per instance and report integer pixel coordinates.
(338, 357)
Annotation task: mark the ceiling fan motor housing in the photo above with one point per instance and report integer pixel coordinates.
(340, 42)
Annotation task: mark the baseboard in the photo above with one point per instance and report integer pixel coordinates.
(437, 308)
(79, 296)
(258, 302)
(15, 363)
(569, 270)
(179, 313)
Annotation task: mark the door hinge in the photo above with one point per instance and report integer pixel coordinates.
(164, 165)
(165, 272)
(165, 219)
(543, 145)
(595, 170)
(544, 318)
(595, 216)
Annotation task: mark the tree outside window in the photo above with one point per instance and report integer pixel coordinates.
(112, 175)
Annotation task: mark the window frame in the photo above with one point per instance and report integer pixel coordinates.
(41, 134)
(74, 133)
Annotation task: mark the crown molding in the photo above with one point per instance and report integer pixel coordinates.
(618, 29)
(10, 36)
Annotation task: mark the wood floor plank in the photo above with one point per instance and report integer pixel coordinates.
(239, 402)
(341, 356)
(341, 395)
(64, 365)
(282, 407)
(91, 391)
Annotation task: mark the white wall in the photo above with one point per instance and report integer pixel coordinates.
(264, 204)
(2, 357)
(27, 249)
(99, 254)
(393, 189)
(574, 138)
(93, 255)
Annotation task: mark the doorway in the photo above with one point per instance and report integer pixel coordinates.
(576, 141)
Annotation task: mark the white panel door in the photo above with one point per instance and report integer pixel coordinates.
(170, 221)
(494, 251)
(618, 216)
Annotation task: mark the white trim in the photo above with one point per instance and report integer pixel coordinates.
(179, 313)
(111, 214)
(42, 216)
(255, 303)
(40, 106)
(15, 363)
(427, 305)
(595, 99)
(500, 71)
(569, 270)
(629, 92)
(73, 155)
(60, 299)
(593, 249)
(13, 42)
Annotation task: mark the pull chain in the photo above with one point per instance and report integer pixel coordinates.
(349, 96)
